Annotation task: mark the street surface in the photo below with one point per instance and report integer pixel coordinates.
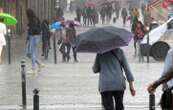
(70, 86)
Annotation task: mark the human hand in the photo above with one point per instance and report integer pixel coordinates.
(151, 88)
(132, 89)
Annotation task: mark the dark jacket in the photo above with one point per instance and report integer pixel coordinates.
(45, 30)
(124, 12)
(34, 26)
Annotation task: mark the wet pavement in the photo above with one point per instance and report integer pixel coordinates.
(70, 86)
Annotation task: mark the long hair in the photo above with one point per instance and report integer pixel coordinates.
(45, 21)
(30, 15)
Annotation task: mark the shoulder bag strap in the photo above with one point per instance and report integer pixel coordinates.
(114, 54)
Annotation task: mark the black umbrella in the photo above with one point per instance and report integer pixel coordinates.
(100, 40)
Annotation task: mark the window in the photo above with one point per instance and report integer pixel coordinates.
(170, 25)
(153, 26)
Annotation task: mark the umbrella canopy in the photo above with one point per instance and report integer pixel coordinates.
(9, 20)
(107, 2)
(90, 3)
(55, 25)
(100, 40)
(74, 22)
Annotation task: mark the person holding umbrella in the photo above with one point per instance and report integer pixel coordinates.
(5, 20)
(3, 31)
(110, 65)
(110, 62)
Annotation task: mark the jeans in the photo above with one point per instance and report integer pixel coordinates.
(33, 46)
(109, 97)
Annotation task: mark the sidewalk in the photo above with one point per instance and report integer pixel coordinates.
(71, 83)
(68, 107)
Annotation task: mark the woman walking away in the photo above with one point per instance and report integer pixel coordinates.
(3, 31)
(34, 31)
(110, 66)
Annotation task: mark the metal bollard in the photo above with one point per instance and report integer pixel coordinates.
(152, 102)
(36, 99)
(148, 53)
(54, 49)
(9, 46)
(23, 76)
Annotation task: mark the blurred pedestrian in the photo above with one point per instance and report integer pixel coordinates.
(131, 17)
(138, 30)
(110, 12)
(84, 14)
(147, 16)
(103, 14)
(3, 32)
(71, 38)
(136, 13)
(64, 45)
(124, 15)
(96, 17)
(167, 80)
(89, 16)
(117, 9)
(143, 7)
(93, 16)
(59, 13)
(34, 35)
(45, 36)
(110, 66)
(78, 14)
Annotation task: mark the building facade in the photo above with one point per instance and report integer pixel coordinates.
(161, 9)
(15, 8)
(158, 12)
(8, 6)
(44, 9)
